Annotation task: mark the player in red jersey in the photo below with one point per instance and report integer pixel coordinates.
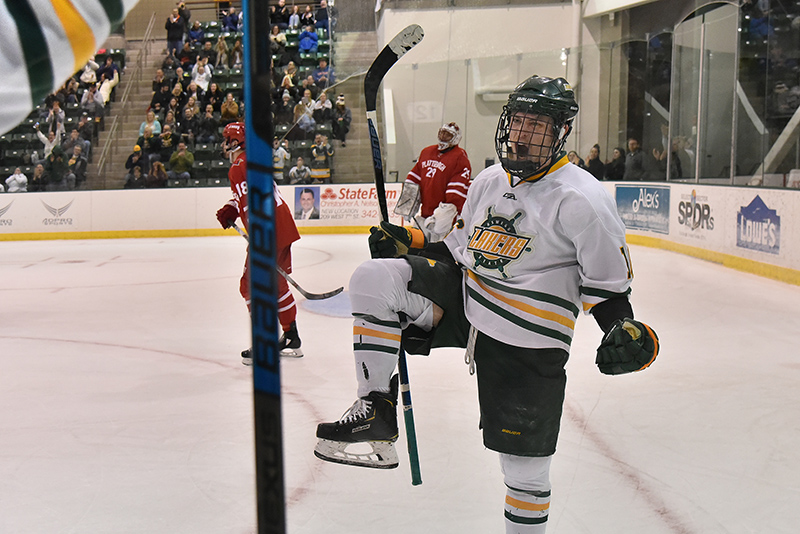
(439, 183)
(233, 145)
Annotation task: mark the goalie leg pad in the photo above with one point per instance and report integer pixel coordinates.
(383, 454)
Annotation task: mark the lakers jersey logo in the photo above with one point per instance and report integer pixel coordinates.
(495, 243)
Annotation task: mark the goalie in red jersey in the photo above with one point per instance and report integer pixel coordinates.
(437, 185)
(233, 146)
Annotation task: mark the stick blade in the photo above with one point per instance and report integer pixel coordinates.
(401, 43)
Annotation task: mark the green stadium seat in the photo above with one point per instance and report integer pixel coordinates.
(199, 170)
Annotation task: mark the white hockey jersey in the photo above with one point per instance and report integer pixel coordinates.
(538, 253)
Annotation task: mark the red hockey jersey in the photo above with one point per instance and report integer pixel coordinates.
(285, 228)
(442, 177)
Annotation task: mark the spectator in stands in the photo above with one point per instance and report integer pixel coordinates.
(74, 140)
(151, 147)
(284, 110)
(323, 110)
(214, 96)
(221, 48)
(288, 86)
(321, 16)
(342, 117)
(202, 77)
(92, 101)
(157, 177)
(187, 56)
(634, 162)
(180, 97)
(280, 160)
(17, 182)
(309, 41)
(151, 122)
(277, 41)
(237, 55)
(615, 169)
(169, 121)
(68, 93)
(169, 65)
(303, 124)
(175, 27)
(308, 101)
(308, 83)
(136, 179)
(86, 130)
(88, 75)
(300, 174)
(189, 126)
(575, 159)
(321, 158)
(55, 120)
(209, 125)
(136, 159)
(159, 80)
(109, 71)
(160, 100)
(180, 164)
(323, 75)
(208, 54)
(169, 140)
(55, 169)
(229, 110)
(282, 15)
(49, 142)
(196, 34)
(294, 18)
(194, 92)
(76, 168)
(230, 22)
(307, 17)
(594, 164)
(38, 181)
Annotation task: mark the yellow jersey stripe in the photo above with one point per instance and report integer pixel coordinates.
(527, 308)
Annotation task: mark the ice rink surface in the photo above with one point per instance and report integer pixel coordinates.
(124, 407)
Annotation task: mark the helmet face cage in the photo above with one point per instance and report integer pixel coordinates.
(534, 126)
(233, 132)
(449, 136)
(528, 143)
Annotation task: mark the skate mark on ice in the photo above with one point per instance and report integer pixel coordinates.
(126, 347)
(627, 472)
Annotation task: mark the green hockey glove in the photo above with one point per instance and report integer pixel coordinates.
(628, 347)
(392, 241)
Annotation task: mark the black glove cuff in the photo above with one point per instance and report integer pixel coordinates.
(611, 310)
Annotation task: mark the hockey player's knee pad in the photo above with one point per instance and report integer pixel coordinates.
(526, 473)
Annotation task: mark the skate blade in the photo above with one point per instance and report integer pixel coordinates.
(382, 456)
(291, 353)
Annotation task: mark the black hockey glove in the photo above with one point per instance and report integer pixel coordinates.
(392, 241)
(628, 347)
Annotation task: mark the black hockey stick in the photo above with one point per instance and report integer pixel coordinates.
(397, 47)
(306, 294)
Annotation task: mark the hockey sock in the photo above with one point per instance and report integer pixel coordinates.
(526, 511)
(287, 311)
(527, 502)
(376, 345)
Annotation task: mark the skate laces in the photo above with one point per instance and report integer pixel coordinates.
(357, 411)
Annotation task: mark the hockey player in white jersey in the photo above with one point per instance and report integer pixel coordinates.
(538, 241)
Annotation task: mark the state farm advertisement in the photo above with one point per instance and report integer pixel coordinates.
(339, 204)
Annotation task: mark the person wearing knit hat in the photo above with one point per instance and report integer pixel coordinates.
(137, 148)
(342, 116)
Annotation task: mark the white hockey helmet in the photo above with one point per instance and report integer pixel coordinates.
(449, 136)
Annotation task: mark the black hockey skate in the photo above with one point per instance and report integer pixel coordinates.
(371, 421)
(288, 344)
